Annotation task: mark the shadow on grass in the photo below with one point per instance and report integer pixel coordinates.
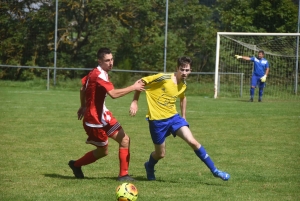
(197, 183)
(72, 177)
(65, 177)
(139, 178)
(243, 100)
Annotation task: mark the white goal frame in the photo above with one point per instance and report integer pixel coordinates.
(217, 62)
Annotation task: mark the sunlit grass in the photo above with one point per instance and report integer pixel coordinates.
(257, 143)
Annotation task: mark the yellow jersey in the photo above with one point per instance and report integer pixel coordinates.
(161, 95)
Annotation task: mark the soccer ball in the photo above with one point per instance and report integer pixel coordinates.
(126, 192)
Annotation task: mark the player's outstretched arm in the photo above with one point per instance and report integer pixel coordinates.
(134, 104)
(242, 57)
(116, 93)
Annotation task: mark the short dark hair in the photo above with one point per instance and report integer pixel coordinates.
(182, 61)
(103, 51)
(261, 51)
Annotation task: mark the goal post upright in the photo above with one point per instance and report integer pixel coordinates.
(219, 49)
(216, 87)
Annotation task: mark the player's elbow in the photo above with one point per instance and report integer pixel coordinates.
(113, 95)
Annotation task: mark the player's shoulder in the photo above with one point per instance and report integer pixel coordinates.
(157, 77)
(264, 61)
(164, 74)
(253, 58)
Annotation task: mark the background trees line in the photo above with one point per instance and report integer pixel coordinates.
(133, 29)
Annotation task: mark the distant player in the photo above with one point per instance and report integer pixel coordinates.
(260, 73)
(98, 122)
(162, 90)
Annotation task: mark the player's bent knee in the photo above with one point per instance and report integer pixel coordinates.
(195, 145)
(125, 141)
(160, 155)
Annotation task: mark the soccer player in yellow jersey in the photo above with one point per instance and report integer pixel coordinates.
(162, 90)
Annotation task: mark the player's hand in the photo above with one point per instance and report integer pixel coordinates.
(133, 108)
(238, 56)
(263, 78)
(80, 112)
(139, 85)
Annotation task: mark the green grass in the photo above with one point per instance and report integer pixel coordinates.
(257, 143)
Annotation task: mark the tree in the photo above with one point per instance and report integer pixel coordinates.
(256, 15)
(134, 30)
(22, 36)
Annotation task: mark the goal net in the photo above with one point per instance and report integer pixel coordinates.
(233, 77)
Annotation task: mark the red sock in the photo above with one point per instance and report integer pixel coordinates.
(124, 158)
(85, 160)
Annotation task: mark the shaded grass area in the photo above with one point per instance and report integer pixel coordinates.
(257, 143)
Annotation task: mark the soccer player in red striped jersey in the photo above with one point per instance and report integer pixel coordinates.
(98, 122)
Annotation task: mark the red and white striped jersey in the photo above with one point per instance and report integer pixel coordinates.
(97, 85)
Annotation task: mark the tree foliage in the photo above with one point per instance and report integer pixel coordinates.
(133, 29)
(274, 16)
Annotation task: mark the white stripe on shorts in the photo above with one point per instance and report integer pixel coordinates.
(113, 129)
(98, 144)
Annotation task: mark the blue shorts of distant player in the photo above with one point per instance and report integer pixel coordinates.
(160, 129)
(256, 81)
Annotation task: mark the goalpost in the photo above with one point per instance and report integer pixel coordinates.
(232, 76)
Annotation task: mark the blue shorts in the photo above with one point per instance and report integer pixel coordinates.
(160, 129)
(256, 81)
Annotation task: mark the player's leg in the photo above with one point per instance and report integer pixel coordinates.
(97, 138)
(186, 134)
(181, 129)
(159, 132)
(159, 153)
(154, 157)
(261, 90)
(123, 140)
(252, 88)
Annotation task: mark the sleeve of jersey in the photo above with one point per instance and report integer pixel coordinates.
(106, 84)
(83, 80)
(182, 95)
(151, 78)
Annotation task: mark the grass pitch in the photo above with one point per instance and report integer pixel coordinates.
(257, 143)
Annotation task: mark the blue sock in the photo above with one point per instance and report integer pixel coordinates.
(261, 91)
(152, 161)
(252, 90)
(201, 153)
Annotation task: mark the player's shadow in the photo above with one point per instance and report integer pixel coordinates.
(244, 101)
(240, 100)
(58, 176)
(137, 179)
(197, 182)
(140, 178)
(64, 176)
